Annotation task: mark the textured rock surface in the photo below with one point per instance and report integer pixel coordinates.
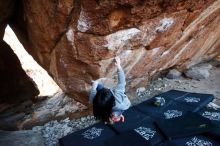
(199, 72)
(173, 74)
(26, 115)
(56, 107)
(76, 40)
(21, 138)
(15, 85)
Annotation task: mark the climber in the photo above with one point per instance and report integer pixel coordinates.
(109, 104)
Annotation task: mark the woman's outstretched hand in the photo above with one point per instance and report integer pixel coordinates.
(118, 62)
(115, 118)
(95, 84)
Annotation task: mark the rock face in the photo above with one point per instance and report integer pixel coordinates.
(21, 138)
(15, 85)
(198, 72)
(76, 41)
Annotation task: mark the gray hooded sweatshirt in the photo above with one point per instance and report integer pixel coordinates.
(121, 100)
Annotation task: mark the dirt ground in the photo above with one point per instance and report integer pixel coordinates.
(210, 85)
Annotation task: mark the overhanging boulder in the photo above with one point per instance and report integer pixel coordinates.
(76, 41)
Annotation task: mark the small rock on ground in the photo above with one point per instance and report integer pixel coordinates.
(174, 74)
(199, 72)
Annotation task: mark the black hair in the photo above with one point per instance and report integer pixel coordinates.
(102, 104)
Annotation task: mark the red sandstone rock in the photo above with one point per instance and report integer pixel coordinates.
(76, 41)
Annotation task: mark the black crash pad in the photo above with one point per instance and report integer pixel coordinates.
(139, 127)
(186, 125)
(214, 116)
(214, 134)
(130, 138)
(132, 118)
(211, 114)
(173, 94)
(147, 107)
(196, 100)
(144, 133)
(197, 140)
(150, 109)
(92, 136)
(170, 110)
(175, 100)
(174, 110)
